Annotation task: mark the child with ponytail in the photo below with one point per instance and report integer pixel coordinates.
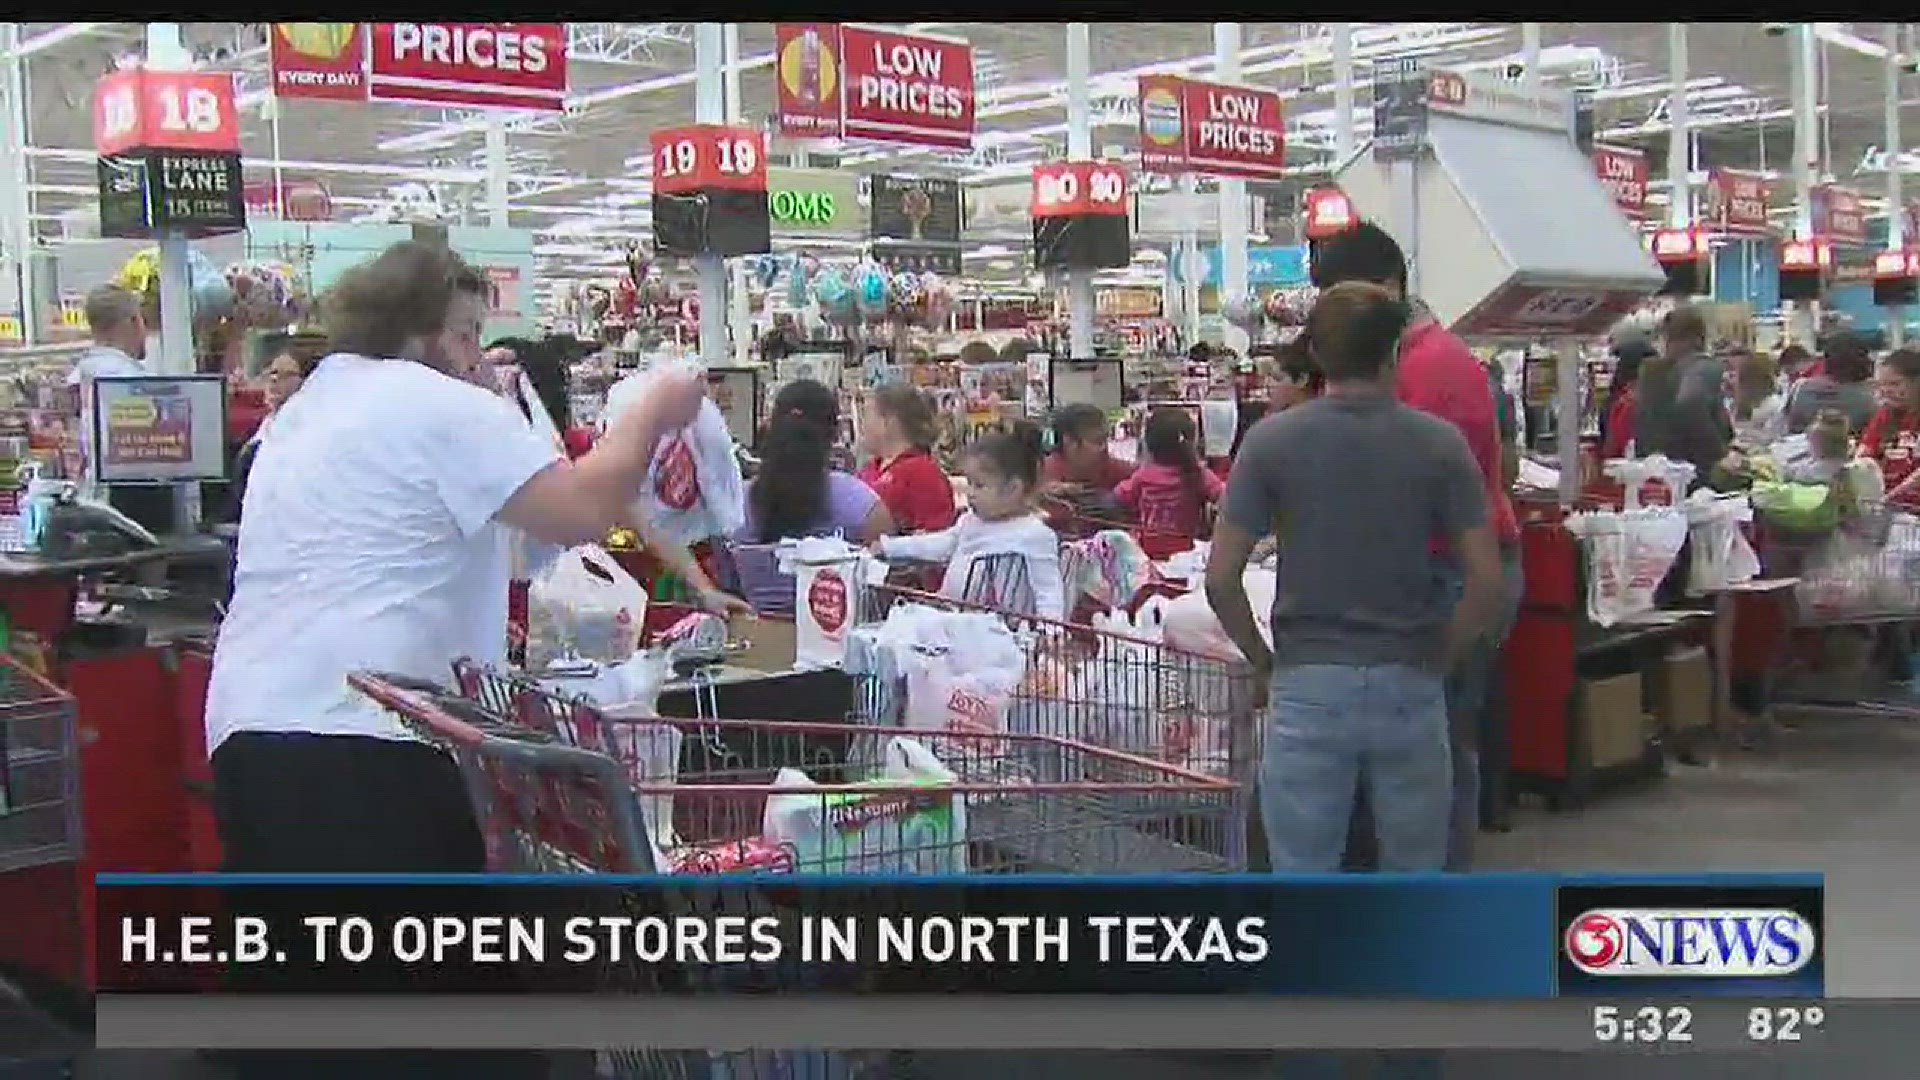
(1170, 493)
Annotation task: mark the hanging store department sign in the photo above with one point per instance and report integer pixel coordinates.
(915, 223)
(1191, 126)
(1839, 215)
(808, 79)
(320, 60)
(816, 202)
(503, 65)
(1623, 173)
(1737, 202)
(906, 88)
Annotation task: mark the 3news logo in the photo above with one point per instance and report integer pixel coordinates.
(1733, 939)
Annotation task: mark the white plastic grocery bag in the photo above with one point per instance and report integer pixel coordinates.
(877, 833)
(828, 575)
(584, 606)
(1628, 555)
(1651, 481)
(1720, 556)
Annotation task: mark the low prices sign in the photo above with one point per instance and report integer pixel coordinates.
(1191, 126)
(138, 109)
(1737, 201)
(1068, 189)
(1839, 215)
(905, 88)
(1623, 172)
(704, 157)
(1544, 311)
(320, 60)
(807, 79)
(504, 65)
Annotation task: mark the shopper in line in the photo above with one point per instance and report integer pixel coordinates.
(1296, 377)
(283, 376)
(1437, 374)
(1170, 494)
(1796, 363)
(1892, 436)
(798, 493)
(1363, 629)
(1631, 347)
(1842, 381)
(1000, 552)
(1680, 406)
(1759, 408)
(1082, 466)
(898, 433)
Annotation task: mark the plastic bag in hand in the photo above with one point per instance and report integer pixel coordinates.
(584, 606)
(694, 490)
(877, 833)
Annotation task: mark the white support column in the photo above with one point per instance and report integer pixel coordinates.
(1896, 201)
(1530, 56)
(16, 200)
(1233, 193)
(1805, 324)
(165, 52)
(710, 107)
(499, 170)
(1343, 138)
(739, 314)
(1193, 268)
(1679, 131)
(1079, 148)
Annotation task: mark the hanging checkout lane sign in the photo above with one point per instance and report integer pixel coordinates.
(1191, 126)
(500, 65)
(906, 88)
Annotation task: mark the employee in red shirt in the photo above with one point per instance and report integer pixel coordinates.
(1438, 374)
(1078, 478)
(1892, 438)
(897, 430)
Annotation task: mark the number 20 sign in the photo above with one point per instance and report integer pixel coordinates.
(706, 156)
(139, 109)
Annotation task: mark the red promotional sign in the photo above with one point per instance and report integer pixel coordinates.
(1839, 215)
(702, 157)
(808, 78)
(320, 60)
(1623, 173)
(906, 88)
(1328, 212)
(1535, 310)
(304, 200)
(139, 109)
(1737, 201)
(507, 65)
(1191, 126)
(1079, 189)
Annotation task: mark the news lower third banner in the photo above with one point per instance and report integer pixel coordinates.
(1482, 936)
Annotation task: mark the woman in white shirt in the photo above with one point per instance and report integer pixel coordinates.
(1758, 407)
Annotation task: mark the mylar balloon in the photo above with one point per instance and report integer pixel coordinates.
(870, 291)
(835, 294)
(1243, 312)
(800, 279)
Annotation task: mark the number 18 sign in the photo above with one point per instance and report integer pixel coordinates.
(139, 109)
(704, 157)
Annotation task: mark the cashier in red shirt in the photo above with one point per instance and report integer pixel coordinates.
(1079, 475)
(1438, 374)
(1892, 437)
(897, 430)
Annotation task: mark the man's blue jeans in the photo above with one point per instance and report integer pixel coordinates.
(1468, 690)
(1331, 725)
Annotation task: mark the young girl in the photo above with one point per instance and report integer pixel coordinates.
(1169, 495)
(898, 430)
(1003, 477)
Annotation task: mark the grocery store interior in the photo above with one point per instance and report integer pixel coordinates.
(1011, 219)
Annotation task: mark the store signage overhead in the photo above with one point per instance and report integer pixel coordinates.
(906, 88)
(499, 65)
(1399, 108)
(1737, 202)
(292, 200)
(808, 79)
(1896, 277)
(1623, 172)
(1328, 212)
(1533, 311)
(169, 144)
(915, 223)
(1485, 95)
(1081, 212)
(319, 60)
(815, 201)
(710, 191)
(1839, 215)
(1211, 128)
(139, 109)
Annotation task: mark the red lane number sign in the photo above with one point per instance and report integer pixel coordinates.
(1623, 173)
(1078, 189)
(906, 88)
(702, 157)
(165, 110)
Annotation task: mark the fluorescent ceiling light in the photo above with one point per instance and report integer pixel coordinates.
(65, 32)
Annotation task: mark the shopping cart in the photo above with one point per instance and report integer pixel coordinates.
(1132, 696)
(39, 803)
(558, 784)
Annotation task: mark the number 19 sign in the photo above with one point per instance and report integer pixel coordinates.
(139, 109)
(705, 157)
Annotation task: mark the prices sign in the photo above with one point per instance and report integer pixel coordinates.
(1623, 172)
(905, 88)
(320, 60)
(1191, 126)
(1737, 201)
(1839, 215)
(808, 79)
(706, 157)
(1078, 189)
(139, 109)
(504, 65)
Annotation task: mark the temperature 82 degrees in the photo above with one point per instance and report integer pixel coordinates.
(1785, 1023)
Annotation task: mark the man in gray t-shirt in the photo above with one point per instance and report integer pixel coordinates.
(1356, 487)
